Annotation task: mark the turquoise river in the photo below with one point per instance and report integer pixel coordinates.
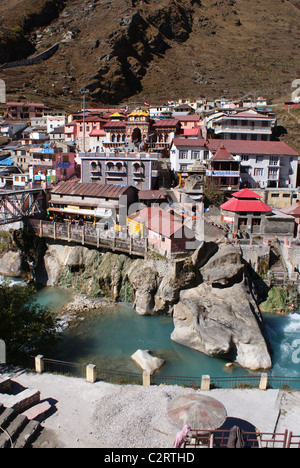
(108, 340)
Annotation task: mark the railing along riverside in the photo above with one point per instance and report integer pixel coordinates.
(198, 438)
(64, 368)
(204, 382)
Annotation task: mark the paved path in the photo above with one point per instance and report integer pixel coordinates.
(105, 415)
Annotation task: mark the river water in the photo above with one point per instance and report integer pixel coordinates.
(108, 340)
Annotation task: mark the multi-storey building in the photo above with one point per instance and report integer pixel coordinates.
(121, 168)
(263, 164)
(244, 125)
(24, 110)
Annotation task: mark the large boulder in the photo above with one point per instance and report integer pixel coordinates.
(225, 267)
(222, 322)
(147, 362)
(11, 264)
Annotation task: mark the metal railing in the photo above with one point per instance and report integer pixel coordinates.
(117, 376)
(64, 368)
(219, 439)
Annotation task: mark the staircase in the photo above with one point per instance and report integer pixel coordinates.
(17, 428)
(278, 273)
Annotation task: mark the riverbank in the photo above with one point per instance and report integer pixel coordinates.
(103, 415)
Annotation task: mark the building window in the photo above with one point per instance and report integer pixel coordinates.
(195, 154)
(274, 161)
(273, 173)
(256, 221)
(258, 171)
(183, 155)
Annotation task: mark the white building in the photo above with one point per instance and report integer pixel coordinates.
(53, 122)
(243, 125)
(185, 151)
(264, 164)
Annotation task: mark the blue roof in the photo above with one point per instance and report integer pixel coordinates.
(7, 162)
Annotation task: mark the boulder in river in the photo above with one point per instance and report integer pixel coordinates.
(146, 361)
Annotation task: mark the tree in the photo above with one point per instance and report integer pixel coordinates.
(26, 327)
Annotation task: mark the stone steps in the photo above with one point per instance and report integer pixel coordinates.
(18, 430)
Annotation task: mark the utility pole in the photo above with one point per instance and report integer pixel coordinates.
(84, 92)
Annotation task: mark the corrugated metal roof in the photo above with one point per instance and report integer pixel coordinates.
(253, 147)
(166, 123)
(90, 190)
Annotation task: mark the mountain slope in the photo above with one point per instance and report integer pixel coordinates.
(151, 49)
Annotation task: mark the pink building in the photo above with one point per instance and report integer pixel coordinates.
(24, 110)
(65, 166)
(165, 232)
(80, 129)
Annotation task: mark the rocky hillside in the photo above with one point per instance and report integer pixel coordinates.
(150, 49)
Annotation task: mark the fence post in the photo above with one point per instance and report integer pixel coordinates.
(146, 379)
(263, 381)
(91, 373)
(39, 364)
(205, 382)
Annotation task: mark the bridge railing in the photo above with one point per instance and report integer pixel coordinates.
(87, 234)
(91, 235)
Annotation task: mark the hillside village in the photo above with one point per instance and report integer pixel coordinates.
(184, 158)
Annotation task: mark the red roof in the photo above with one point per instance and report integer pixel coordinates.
(246, 201)
(97, 132)
(252, 206)
(158, 220)
(251, 115)
(293, 210)
(115, 124)
(222, 155)
(189, 142)
(252, 147)
(246, 193)
(166, 123)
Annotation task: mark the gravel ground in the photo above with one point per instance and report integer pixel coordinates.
(103, 415)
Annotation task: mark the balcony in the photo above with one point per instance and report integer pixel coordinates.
(243, 129)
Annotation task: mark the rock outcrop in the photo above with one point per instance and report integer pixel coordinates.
(11, 264)
(220, 317)
(209, 294)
